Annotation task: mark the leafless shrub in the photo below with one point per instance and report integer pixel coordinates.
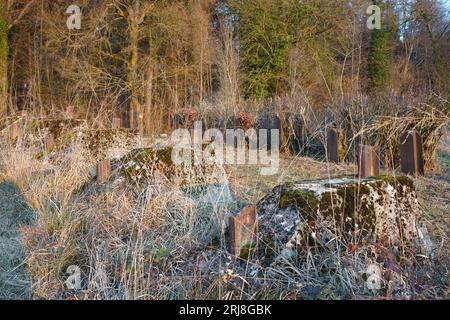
(157, 240)
(429, 119)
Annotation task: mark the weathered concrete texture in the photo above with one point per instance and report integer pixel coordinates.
(99, 143)
(143, 163)
(57, 127)
(109, 143)
(321, 213)
(62, 131)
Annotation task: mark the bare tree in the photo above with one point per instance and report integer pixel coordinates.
(7, 21)
(228, 63)
(4, 49)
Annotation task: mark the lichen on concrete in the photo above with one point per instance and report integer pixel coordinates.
(56, 127)
(109, 143)
(64, 131)
(321, 213)
(140, 164)
(143, 164)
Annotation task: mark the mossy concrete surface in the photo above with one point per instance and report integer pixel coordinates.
(57, 127)
(100, 144)
(325, 212)
(14, 213)
(109, 143)
(142, 164)
(64, 131)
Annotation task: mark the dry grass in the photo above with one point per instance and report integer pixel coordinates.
(157, 241)
(14, 283)
(250, 186)
(428, 119)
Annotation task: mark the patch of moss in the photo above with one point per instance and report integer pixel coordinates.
(403, 180)
(99, 140)
(301, 199)
(140, 163)
(398, 182)
(268, 247)
(143, 155)
(348, 206)
(354, 196)
(246, 251)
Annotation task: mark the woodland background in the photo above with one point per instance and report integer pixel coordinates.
(144, 235)
(157, 57)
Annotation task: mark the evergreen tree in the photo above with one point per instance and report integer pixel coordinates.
(266, 33)
(379, 59)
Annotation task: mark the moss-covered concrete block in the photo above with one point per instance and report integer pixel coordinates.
(324, 213)
(62, 131)
(140, 164)
(143, 163)
(98, 143)
(109, 143)
(57, 127)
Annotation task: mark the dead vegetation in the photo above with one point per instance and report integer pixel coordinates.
(429, 119)
(152, 230)
(160, 240)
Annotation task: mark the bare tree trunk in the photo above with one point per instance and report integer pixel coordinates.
(4, 50)
(228, 67)
(148, 127)
(441, 70)
(133, 29)
(201, 73)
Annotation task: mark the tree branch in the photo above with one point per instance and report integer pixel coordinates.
(21, 14)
